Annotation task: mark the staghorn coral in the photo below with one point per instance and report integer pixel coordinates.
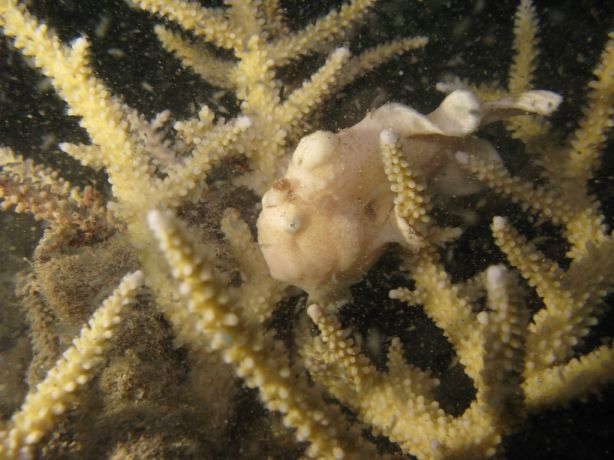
(200, 165)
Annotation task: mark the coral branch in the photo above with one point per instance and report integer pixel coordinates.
(56, 393)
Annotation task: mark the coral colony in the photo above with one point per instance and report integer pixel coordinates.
(217, 228)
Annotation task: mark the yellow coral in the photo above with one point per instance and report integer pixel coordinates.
(55, 394)
(221, 297)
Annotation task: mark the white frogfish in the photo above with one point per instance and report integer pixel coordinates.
(327, 220)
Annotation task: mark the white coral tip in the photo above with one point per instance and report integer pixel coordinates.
(341, 53)
(498, 223)
(388, 137)
(461, 157)
(244, 122)
(483, 318)
(314, 311)
(158, 222)
(135, 279)
(494, 274)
